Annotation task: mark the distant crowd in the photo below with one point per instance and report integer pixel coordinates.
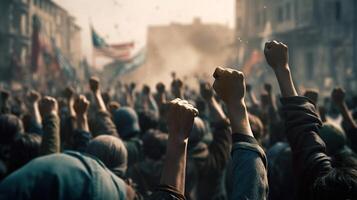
(216, 143)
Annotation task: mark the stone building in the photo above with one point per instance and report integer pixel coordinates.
(16, 28)
(321, 33)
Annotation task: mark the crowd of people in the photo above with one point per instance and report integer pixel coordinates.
(213, 144)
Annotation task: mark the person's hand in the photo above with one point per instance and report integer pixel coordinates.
(113, 106)
(81, 105)
(94, 84)
(268, 88)
(206, 91)
(338, 96)
(47, 106)
(160, 88)
(33, 97)
(180, 117)
(229, 84)
(313, 95)
(176, 87)
(146, 90)
(68, 92)
(276, 54)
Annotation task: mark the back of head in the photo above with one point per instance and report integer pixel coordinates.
(69, 176)
(126, 121)
(148, 120)
(154, 144)
(339, 183)
(10, 127)
(111, 151)
(197, 133)
(25, 148)
(334, 138)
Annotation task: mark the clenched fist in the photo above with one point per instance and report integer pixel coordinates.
(160, 88)
(68, 92)
(206, 91)
(94, 84)
(180, 117)
(229, 84)
(81, 105)
(276, 54)
(33, 97)
(47, 106)
(338, 96)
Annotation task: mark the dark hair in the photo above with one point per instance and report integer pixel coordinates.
(154, 144)
(340, 182)
(25, 148)
(10, 127)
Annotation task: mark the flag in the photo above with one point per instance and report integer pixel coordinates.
(255, 58)
(120, 51)
(123, 67)
(61, 61)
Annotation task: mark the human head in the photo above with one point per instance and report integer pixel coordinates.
(25, 148)
(10, 127)
(334, 138)
(111, 151)
(197, 133)
(154, 144)
(127, 122)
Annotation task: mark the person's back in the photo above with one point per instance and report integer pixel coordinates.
(69, 175)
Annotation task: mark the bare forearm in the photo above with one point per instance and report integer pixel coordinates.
(286, 83)
(174, 169)
(34, 111)
(99, 101)
(347, 115)
(238, 116)
(71, 111)
(82, 123)
(216, 112)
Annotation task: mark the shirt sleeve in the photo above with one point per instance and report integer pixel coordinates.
(249, 169)
(302, 127)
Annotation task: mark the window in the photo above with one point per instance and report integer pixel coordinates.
(338, 8)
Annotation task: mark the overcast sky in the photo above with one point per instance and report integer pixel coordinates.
(127, 20)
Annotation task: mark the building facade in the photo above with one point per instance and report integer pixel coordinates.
(17, 18)
(321, 35)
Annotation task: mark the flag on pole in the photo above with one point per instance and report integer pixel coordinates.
(121, 52)
(62, 62)
(35, 45)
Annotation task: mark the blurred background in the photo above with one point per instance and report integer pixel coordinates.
(67, 41)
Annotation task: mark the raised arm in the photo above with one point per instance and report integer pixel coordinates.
(104, 123)
(81, 136)
(33, 99)
(95, 88)
(338, 97)
(51, 126)
(249, 161)
(301, 121)
(180, 119)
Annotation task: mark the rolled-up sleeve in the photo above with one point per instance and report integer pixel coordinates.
(249, 169)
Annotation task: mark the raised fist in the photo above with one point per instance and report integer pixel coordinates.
(33, 97)
(146, 90)
(180, 117)
(176, 87)
(68, 92)
(313, 95)
(48, 105)
(81, 105)
(229, 84)
(94, 84)
(160, 88)
(338, 96)
(206, 91)
(276, 54)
